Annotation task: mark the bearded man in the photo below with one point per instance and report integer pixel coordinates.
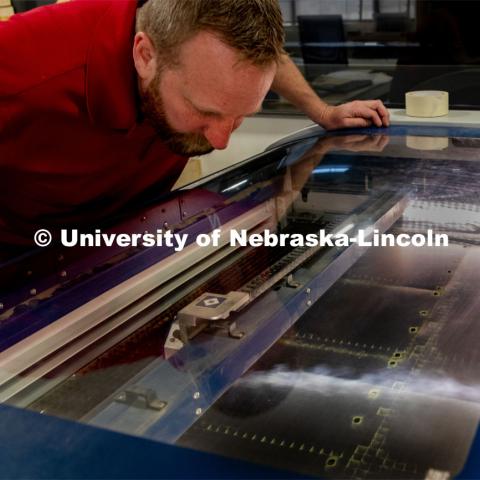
(101, 99)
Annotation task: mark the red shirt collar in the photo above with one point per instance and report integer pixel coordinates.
(111, 79)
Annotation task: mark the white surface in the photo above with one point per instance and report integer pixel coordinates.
(253, 137)
(257, 133)
(455, 118)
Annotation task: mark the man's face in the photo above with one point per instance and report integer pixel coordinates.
(197, 104)
(186, 144)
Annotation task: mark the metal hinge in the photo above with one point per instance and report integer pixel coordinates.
(140, 397)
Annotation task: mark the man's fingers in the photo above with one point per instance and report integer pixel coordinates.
(384, 114)
(363, 109)
(358, 114)
(370, 113)
(379, 107)
(357, 122)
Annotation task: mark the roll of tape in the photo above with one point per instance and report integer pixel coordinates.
(427, 143)
(426, 103)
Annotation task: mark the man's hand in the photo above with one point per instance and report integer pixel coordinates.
(290, 84)
(360, 113)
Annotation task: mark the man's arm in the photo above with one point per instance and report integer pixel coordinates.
(290, 84)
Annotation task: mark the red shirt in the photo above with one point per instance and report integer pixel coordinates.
(70, 139)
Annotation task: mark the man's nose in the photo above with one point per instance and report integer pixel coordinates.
(218, 133)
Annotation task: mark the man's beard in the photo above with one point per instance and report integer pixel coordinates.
(186, 144)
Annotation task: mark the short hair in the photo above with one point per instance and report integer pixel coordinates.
(252, 27)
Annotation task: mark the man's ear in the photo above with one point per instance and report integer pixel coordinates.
(144, 57)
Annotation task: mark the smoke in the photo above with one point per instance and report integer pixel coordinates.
(329, 381)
